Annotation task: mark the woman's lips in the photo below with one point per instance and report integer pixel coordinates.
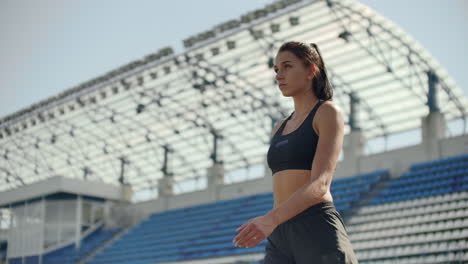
(282, 85)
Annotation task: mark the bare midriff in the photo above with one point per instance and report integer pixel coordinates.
(286, 182)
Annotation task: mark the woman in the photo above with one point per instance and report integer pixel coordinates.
(304, 225)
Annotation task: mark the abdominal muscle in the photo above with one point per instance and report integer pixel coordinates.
(286, 182)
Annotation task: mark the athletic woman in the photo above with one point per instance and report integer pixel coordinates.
(304, 226)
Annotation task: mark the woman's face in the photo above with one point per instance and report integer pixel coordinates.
(292, 76)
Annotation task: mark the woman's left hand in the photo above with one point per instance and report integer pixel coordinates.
(254, 231)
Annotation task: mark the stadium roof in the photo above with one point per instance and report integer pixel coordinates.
(222, 85)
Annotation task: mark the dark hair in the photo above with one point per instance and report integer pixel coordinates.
(321, 84)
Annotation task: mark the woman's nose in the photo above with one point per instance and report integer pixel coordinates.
(279, 76)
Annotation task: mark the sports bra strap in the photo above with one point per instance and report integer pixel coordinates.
(312, 112)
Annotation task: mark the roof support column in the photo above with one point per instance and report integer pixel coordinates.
(125, 188)
(78, 219)
(166, 184)
(433, 126)
(215, 173)
(354, 142)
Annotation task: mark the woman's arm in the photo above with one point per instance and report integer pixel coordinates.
(330, 126)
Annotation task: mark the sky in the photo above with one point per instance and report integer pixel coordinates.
(49, 46)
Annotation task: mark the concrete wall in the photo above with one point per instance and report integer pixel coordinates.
(397, 160)
(61, 184)
(454, 146)
(223, 192)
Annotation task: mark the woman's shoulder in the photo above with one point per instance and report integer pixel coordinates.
(329, 108)
(328, 112)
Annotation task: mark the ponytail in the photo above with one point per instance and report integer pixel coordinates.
(321, 84)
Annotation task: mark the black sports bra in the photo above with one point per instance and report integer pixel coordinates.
(295, 150)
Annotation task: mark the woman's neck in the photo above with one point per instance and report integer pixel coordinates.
(304, 103)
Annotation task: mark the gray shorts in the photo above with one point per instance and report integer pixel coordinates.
(316, 235)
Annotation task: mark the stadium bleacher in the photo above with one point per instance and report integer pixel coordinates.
(423, 230)
(418, 217)
(206, 231)
(70, 255)
(428, 178)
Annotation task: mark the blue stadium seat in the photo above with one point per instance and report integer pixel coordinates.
(427, 179)
(206, 231)
(71, 255)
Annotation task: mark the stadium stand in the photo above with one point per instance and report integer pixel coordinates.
(71, 255)
(428, 178)
(206, 231)
(421, 217)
